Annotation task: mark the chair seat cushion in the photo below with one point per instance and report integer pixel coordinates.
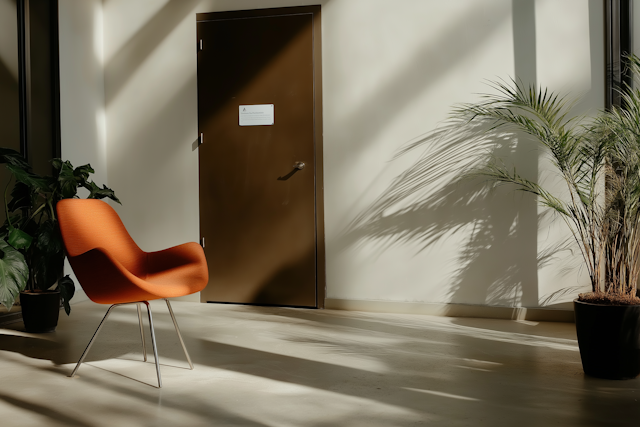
(110, 266)
(173, 272)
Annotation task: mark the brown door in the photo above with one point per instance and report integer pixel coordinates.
(257, 156)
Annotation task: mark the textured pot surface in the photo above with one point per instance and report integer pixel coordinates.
(40, 311)
(609, 339)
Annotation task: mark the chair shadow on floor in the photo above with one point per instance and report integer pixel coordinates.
(64, 347)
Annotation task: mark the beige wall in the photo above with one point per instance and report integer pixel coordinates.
(391, 72)
(82, 118)
(83, 122)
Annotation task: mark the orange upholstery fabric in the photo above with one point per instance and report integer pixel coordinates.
(112, 269)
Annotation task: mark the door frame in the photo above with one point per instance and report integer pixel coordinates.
(315, 11)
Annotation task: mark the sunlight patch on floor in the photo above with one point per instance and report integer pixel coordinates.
(442, 394)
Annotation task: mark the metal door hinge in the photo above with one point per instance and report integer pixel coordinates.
(201, 138)
(200, 45)
(202, 242)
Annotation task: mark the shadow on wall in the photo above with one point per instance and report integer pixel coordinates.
(438, 196)
(391, 96)
(146, 40)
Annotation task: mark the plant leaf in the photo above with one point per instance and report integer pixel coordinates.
(21, 197)
(14, 273)
(82, 173)
(46, 268)
(96, 192)
(26, 177)
(47, 257)
(67, 290)
(7, 155)
(19, 239)
(67, 181)
(57, 164)
(49, 239)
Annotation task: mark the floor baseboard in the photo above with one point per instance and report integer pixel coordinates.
(453, 310)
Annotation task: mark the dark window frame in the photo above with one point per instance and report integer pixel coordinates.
(618, 44)
(24, 77)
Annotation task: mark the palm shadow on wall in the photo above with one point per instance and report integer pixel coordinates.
(439, 196)
(435, 198)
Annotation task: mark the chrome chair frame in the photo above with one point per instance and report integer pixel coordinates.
(144, 347)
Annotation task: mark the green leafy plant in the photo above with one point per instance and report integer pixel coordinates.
(598, 160)
(31, 249)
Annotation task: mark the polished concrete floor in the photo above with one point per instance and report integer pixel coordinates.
(257, 366)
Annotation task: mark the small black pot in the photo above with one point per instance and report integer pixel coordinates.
(609, 339)
(40, 310)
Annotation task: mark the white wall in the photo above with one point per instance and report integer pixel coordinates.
(405, 64)
(83, 125)
(82, 118)
(391, 72)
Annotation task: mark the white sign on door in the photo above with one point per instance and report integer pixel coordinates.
(256, 115)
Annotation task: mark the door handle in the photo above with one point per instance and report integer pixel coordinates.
(299, 165)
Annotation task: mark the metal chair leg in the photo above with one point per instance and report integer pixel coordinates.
(153, 342)
(95, 334)
(179, 334)
(144, 345)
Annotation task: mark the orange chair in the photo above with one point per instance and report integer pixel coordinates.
(112, 269)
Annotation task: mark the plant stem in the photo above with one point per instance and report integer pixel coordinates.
(6, 206)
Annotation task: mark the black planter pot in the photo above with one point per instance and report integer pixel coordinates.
(40, 310)
(609, 339)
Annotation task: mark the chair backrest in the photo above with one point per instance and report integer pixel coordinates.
(87, 224)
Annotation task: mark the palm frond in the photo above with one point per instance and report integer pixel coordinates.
(599, 161)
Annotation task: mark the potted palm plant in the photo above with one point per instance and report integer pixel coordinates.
(598, 160)
(31, 250)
